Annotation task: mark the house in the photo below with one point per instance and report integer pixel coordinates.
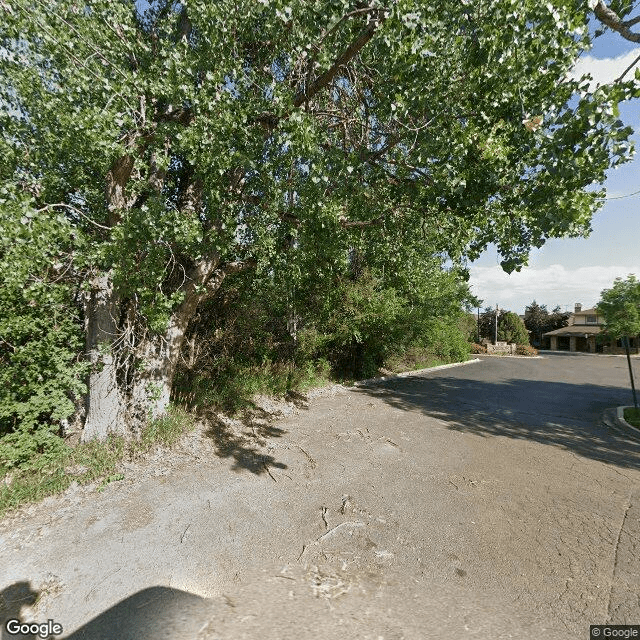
(581, 334)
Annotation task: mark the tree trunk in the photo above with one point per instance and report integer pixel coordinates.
(104, 401)
(157, 359)
(133, 369)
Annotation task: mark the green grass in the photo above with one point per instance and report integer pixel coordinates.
(87, 462)
(234, 387)
(632, 416)
(414, 359)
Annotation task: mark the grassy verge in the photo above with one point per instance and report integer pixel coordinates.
(234, 386)
(86, 462)
(632, 416)
(414, 359)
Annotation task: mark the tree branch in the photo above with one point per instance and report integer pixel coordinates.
(624, 73)
(347, 55)
(632, 22)
(611, 19)
(359, 224)
(224, 270)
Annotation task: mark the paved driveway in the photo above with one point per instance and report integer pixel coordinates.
(557, 400)
(486, 501)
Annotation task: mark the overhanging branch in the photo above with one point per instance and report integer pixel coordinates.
(344, 58)
(611, 19)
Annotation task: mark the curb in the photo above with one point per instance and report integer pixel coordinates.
(614, 419)
(406, 374)
(587, 353)
(623, 423)
(506, 355)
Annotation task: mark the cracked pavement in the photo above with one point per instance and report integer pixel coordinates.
(486, 501)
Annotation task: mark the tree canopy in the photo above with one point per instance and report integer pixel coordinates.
(538, 320)
(167, 145)
(510, 326)
(620, 308)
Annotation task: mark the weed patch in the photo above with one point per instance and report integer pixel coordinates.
(94, 461)
(233, 387)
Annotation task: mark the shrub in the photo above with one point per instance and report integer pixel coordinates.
(412, 359)
(41, 368)
(478, 348)
(526, 350)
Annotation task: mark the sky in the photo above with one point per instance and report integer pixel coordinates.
(575, 270)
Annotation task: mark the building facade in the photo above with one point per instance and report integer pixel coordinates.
(585, 333)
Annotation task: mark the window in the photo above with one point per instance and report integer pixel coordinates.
(592, 319)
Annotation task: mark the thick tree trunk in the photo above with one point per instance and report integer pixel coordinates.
(157, 359)
(117, 402)
(128, 390)
(104, 401)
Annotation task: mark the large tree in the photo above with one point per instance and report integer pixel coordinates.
(620, 310)
(172, 144)
(538, 320)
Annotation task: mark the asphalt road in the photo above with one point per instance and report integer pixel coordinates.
(487, 501)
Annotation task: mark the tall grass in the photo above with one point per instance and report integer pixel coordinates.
(86, 462)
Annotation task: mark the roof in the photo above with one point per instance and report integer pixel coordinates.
(576, 330)
(592, 312)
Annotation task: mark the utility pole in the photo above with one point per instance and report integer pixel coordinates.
(496, 330)
(633, 387)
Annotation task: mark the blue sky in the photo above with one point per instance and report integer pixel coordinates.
(572, 270)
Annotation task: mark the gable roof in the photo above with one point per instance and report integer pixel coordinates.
(576, 330)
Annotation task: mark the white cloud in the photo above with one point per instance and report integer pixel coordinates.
(552, 285)
(606, 70)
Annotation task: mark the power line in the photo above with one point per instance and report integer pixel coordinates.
(626, 196)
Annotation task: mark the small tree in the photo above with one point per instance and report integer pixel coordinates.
(486, 323)
(620, 309)
(511, 328)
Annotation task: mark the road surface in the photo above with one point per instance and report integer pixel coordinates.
(487, 501)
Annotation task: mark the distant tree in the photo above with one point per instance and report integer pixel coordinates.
(558, 319)
(487, 323)
(620, 309)
(512, 329)
(510, 326)
(536, 319)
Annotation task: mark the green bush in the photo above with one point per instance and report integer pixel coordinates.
(52, 471)
(41, 369)
(526, 350)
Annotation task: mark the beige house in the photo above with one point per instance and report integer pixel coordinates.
(580, 334)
